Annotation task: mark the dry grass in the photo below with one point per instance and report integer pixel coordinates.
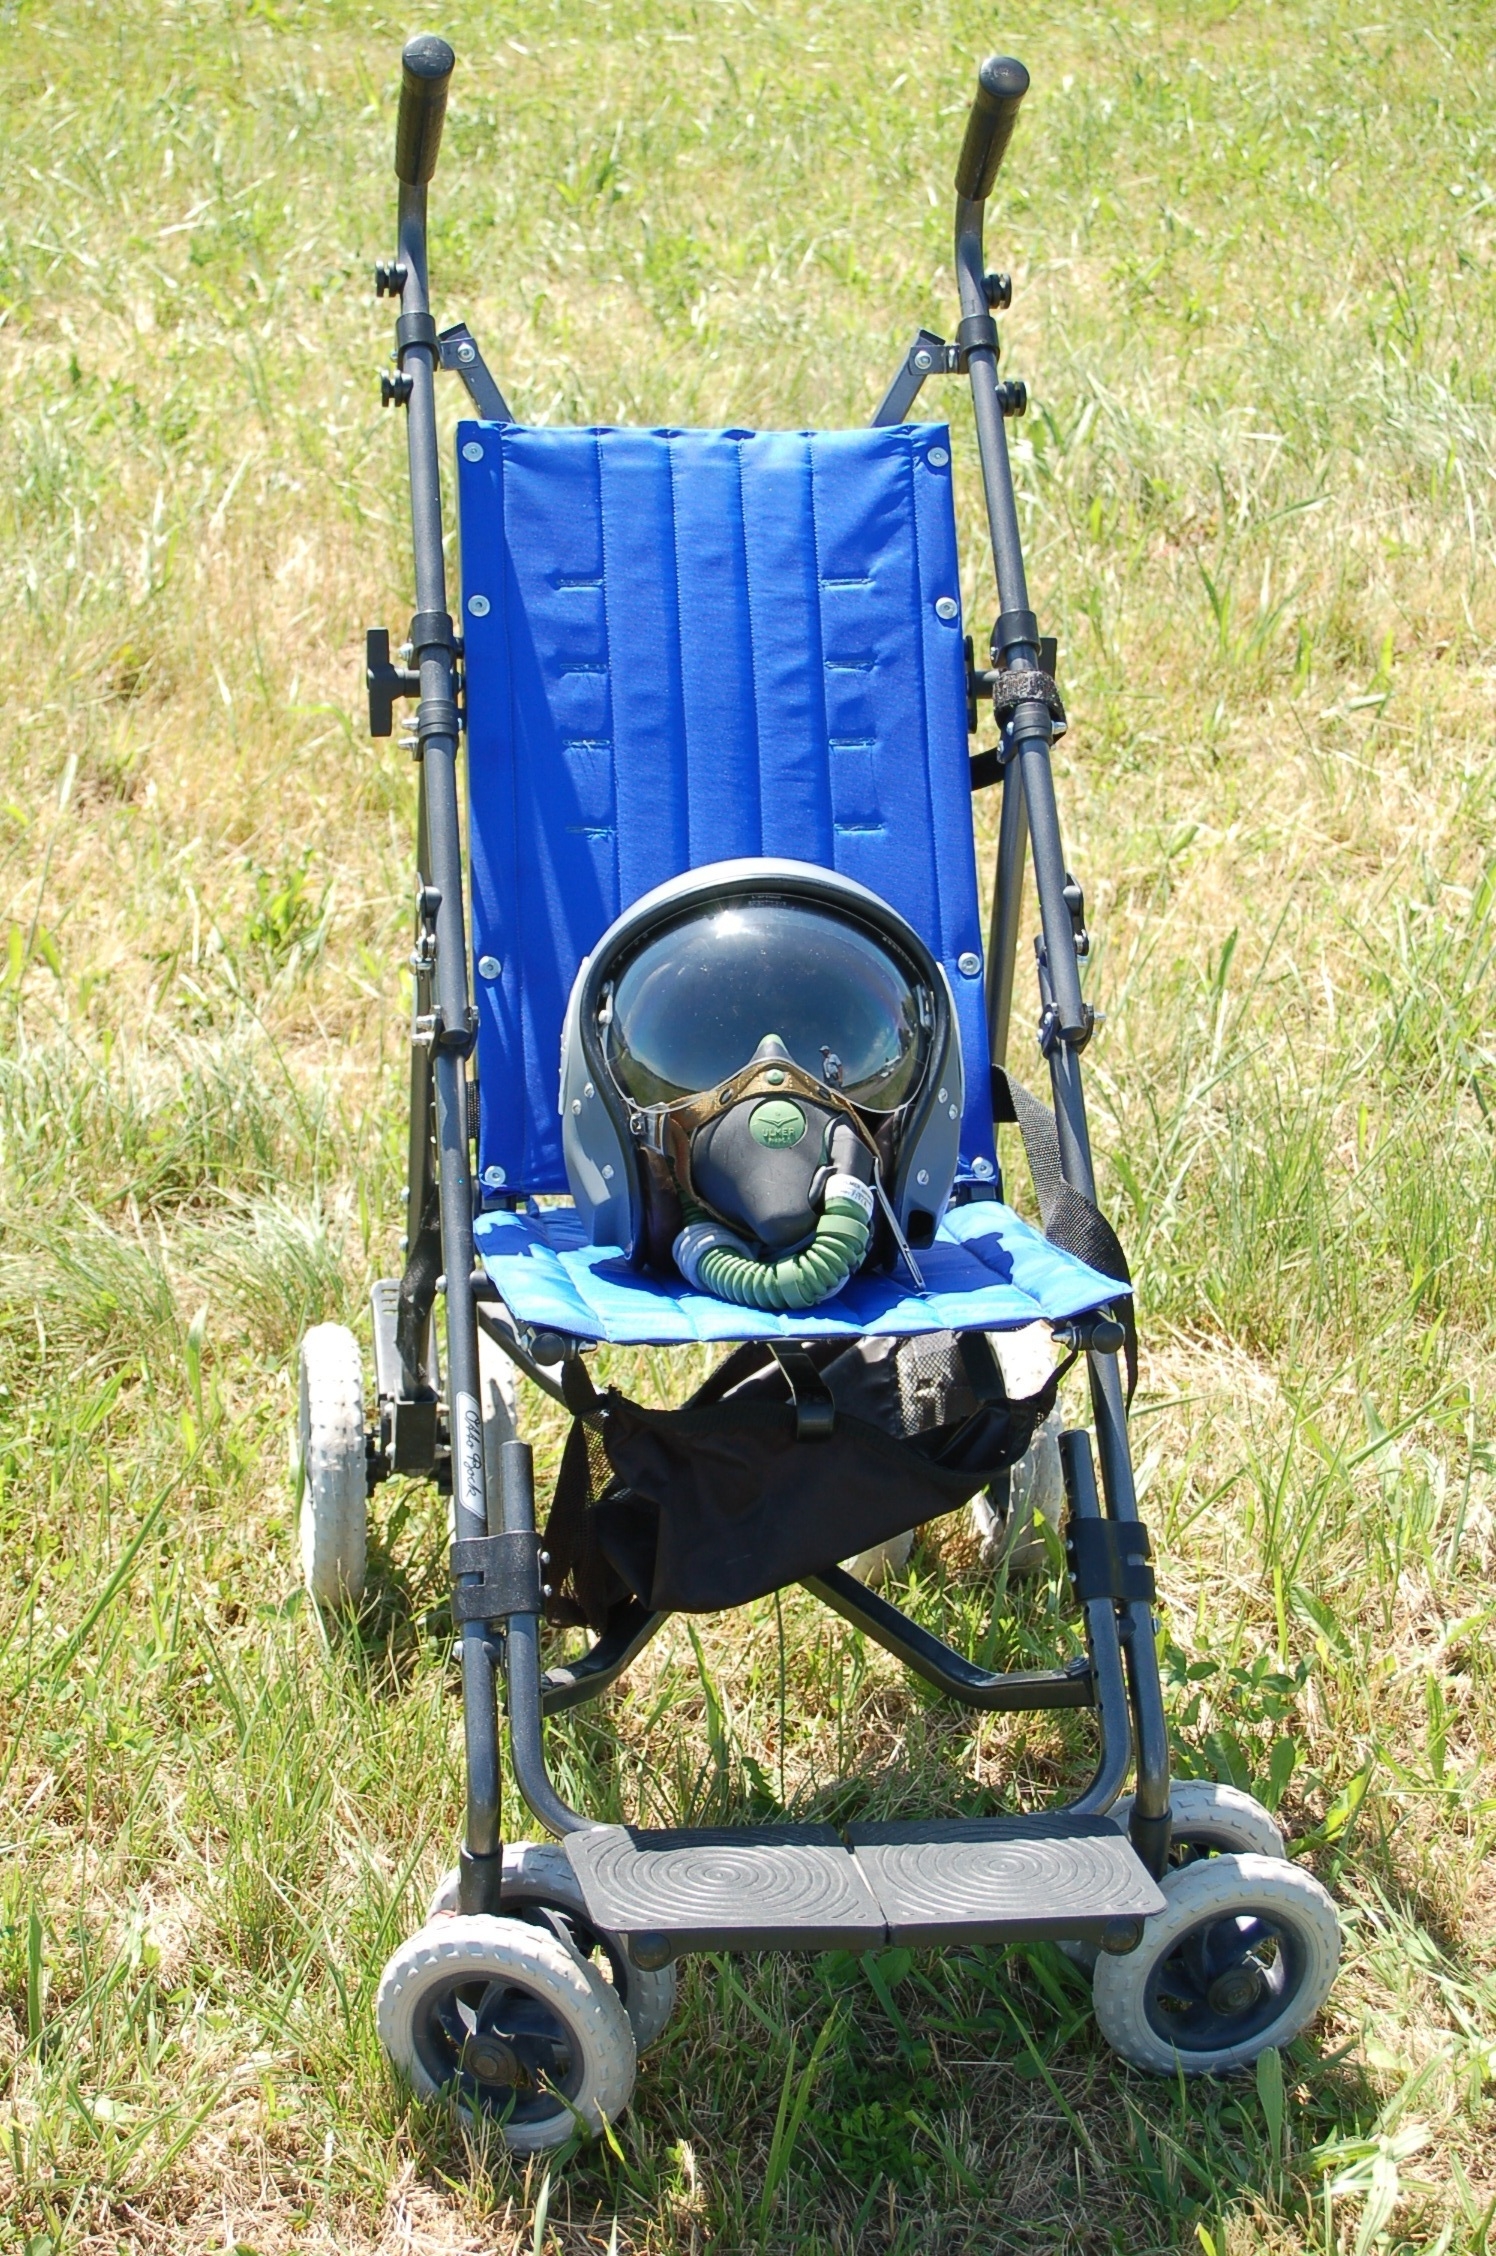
(1254, 304)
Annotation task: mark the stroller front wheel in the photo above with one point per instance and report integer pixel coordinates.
(503, 2016)
(541, 1888)
(331, 1466)
(1240, 1961)
(1212, 1820)
(1209, 1820)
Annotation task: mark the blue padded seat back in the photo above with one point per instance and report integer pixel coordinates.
(687, 645)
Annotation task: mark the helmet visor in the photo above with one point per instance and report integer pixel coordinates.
(692, 1005)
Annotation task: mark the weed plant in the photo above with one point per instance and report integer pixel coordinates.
(1252, 248)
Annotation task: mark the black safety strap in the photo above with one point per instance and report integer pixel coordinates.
(815, 1410)
(1070, 1221)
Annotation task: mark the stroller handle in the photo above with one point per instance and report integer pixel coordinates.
(1002, 83)
(426, 69)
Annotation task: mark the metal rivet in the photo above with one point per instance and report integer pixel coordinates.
(588, 1090)
(576, 1104)
(923, 1176)
(472, 452)
(946, 607)
(923, 360)
(466, 353)
(478, 605)
(955, 1112)
(937, 458)
(968, 965)
(494, 1177)
(942, 1096)
(774, 1077)
(607, 1171)
(981, 1168)
(489, 967)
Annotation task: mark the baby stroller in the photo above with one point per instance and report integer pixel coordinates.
(718, 700)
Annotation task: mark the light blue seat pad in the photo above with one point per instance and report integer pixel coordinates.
(684, 646)
(987, 1271)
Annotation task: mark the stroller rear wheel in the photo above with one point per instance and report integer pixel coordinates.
(503, 2016)
(331, 1466)
(1212, 1820)
(1209, 1820)
(1239, 1962)
(541, 1888)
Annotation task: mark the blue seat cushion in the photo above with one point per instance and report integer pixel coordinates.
(987, 1271)
(683, 646)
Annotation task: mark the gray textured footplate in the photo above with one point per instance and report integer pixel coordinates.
(806, 1887)
(1002, 1879)
(781, 1887)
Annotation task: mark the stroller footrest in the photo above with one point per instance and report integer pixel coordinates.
(781, 1887)
(808, 1887)
(1004, 1879)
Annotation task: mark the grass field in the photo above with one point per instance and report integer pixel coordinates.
(1254, 302)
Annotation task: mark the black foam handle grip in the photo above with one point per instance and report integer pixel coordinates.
(1001, 86)
(426, 72)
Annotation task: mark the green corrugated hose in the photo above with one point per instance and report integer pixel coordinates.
(797, 1280)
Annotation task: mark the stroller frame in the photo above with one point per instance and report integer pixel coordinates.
(430, 1421)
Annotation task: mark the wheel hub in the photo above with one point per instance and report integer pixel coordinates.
(1237, 1990)
(494, 2062)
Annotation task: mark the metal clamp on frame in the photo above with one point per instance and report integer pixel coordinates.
(416, 329)
(1110, 1559)
(976, 333)
(510, 1567)
(436, 716)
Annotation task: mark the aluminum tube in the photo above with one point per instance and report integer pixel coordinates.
(992, 437)
(1007, 910)
(1103, 1640)
(444, 842)
(522, 1662)
(1149, 1721)
(1049, 878)
(479, 1711)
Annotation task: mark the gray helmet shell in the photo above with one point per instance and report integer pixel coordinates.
(603, 1163)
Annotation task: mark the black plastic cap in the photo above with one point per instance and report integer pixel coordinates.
(426, 70)
(1002, 83)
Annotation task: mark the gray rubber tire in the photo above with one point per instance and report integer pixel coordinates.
(539, 1872)
(1213, 1820)
(331, 1466)
(1209, 1820)
(526, 1958)
(1219, 1887)
(873, 1567)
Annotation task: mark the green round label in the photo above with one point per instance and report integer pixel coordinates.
(777, 1123)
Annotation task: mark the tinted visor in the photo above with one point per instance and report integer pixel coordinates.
(692, 1004)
